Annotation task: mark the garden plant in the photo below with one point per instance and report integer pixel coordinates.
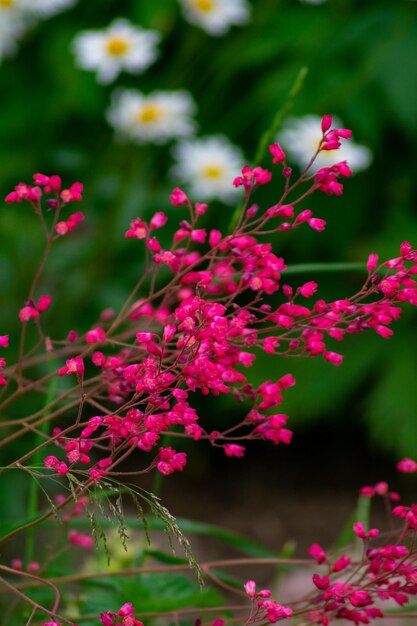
(139, 369)
(95, 420)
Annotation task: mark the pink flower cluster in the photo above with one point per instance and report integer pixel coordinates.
(263, 607)
(213, 318)
(50, 184)
(380, 489)
(387, 572)
(123, 617)
(198, 335)
(32, 310)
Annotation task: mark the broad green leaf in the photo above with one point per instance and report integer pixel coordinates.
(149, 592)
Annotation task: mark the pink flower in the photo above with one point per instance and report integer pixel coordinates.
(251, 177)
(24, 192)
(372, 262)
(359, 530)
(317, 224)
(333, 357)
(158, 220)
(126, 609)
(96, 335)
(4, 341)
(138, 229)
(198, 235)
(73, 194)
(342, 563)
(407, 466)
(178, 197)
(321, 582)
(73, 366)
(80, 539)
(317, 552)
(143, 337)
(201, 208)
(326, 123)
(63, 228)
(250, 588)
(308, 289)
(44, 303)
(50, 183)
(96, 474)
(28, 312)
(277, 152)
(170, 460)
(50, 461)
(232, 449)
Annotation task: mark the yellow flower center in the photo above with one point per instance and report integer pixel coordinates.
(205, 6)
(6, 4)
(116, 46)
(212, 171)
(149, 113)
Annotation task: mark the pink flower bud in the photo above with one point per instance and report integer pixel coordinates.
(178, 197)
(405, 249)
(372, 262)
(232, 449)
(250, 588)
(317, 552)
(326, 123)
(308, 289)
(407, 466)
(200, 208)
(44, 303)
(317, 224)
(277, 152)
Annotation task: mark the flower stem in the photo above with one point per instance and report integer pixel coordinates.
(34, 492)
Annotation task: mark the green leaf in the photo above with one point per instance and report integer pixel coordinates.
(239, 542)
(391, 407)
(149, 592)
(164, 557)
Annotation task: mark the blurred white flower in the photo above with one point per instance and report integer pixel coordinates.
(17, 15)
(216, 16)
(8, 41)
(120, 47)
(12, 26)
(156, 117)
(12, 17)
(208, 166)
(300, 138)
(46, 8)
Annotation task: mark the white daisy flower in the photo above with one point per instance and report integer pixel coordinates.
(216, 16)
(12, 17)
(120, 47)
(208, 166)
(9, 8)
(13, 23)
(46, 8)
(8, 42)
(156, 117)
(300, 138)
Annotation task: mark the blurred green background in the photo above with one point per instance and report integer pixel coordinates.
(362, 65)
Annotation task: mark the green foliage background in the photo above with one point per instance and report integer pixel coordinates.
(361, 59)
